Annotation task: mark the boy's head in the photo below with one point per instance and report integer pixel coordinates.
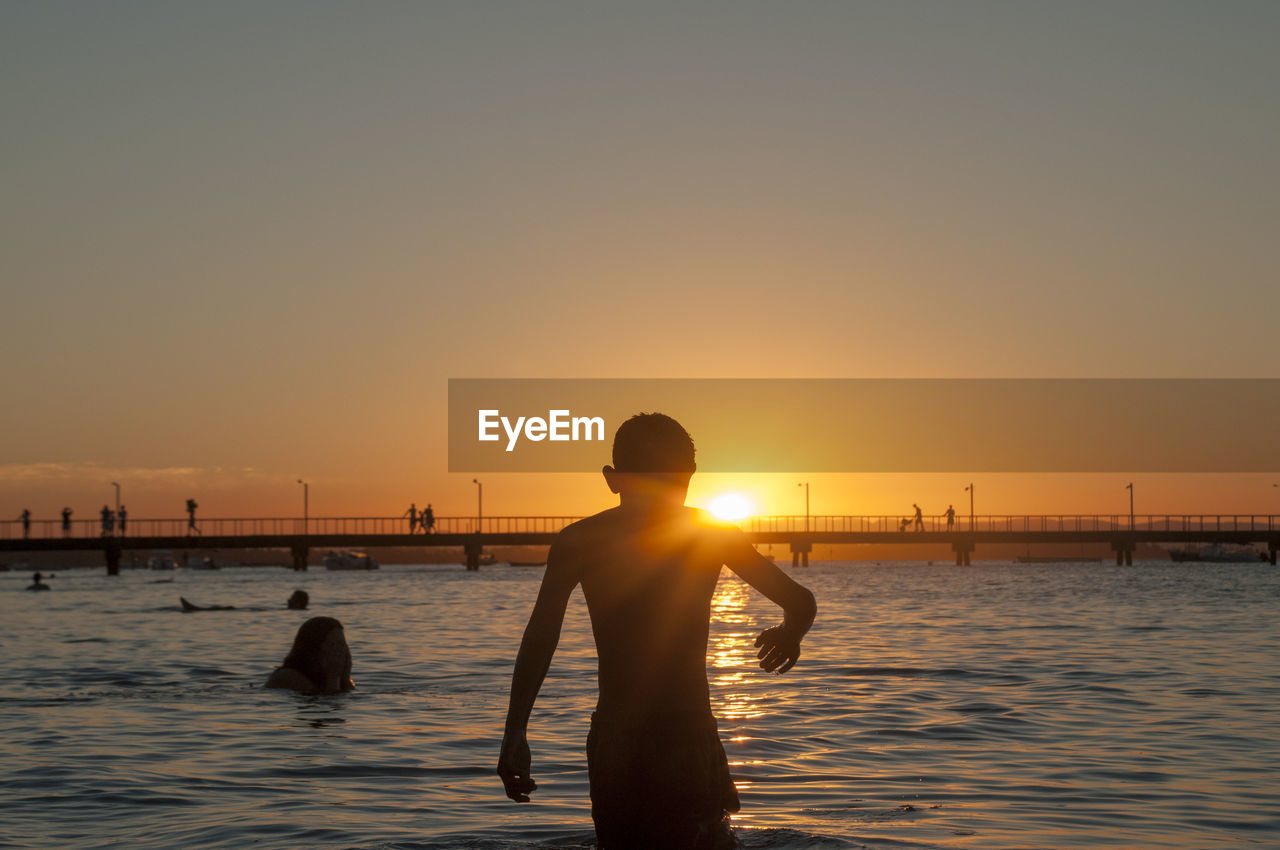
(651, 450)
(652, 442)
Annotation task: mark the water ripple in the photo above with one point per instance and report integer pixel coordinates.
(995, 706)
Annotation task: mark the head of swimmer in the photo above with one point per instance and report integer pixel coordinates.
(652, 462)
(320, 653)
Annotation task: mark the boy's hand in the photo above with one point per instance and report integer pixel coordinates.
(779, 649)
(513, 766)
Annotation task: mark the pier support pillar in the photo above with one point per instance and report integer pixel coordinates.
(299, 558)
(963, 550)
(473, 548)
(800, 550)
(1271, 555)
(1124, 553)
(113, 560)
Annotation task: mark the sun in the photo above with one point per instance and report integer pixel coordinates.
(731, 507)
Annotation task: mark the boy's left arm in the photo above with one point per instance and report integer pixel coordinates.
(780, 645)
(541, 637)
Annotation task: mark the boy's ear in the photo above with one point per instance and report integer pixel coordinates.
(611, 478)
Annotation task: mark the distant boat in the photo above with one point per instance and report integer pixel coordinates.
(1218, 553)
(194, 562)
(162, 559)
(1053, 559)
(542, 563)
(350, 561)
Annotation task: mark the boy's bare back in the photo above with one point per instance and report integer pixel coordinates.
(648, 578)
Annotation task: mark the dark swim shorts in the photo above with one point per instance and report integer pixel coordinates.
(662, 784)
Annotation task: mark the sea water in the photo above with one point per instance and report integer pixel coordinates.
(991, 706)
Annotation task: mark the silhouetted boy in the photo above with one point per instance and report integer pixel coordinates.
(26, 523)
(648, 569)
(66, 522)
(191, 517)
(428, 519)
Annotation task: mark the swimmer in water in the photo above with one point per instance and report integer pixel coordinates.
(187, 606)
(37, 582)
(318, 663)
(298, 601)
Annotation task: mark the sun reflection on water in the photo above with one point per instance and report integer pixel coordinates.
(727, 656)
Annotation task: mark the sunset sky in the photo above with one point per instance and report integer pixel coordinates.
(243, 243)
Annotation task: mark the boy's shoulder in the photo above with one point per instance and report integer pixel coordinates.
(608, 521)
(587, 526)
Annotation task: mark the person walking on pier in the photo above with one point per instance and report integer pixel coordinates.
(191, 517)
(66, 522)
(428, 519)
(951, 517)
(412, 514)
(26, 523)
(122, 516)
(919, 518)
(648, 568)
(108, 521)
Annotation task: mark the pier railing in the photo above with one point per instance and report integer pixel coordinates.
(48, 529)
(1016, 523)
(45, 529)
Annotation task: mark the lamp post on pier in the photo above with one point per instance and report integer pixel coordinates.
(117, 486)
(474, 549)
(970, 491)
(1129, 487)
(306, 507)
(805, 485)
(300, 550)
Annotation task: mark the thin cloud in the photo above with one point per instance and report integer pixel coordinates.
(60, 471)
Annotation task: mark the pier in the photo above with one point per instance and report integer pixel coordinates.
(299, 536)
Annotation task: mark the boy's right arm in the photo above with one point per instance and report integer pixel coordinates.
(780, 645)
(541, 637)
